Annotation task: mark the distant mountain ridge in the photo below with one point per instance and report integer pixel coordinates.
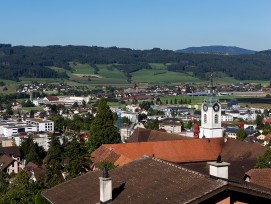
(217, 49)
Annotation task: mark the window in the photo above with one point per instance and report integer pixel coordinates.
(205, 118)
(216, 118)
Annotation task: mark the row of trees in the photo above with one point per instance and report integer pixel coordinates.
(62, 162)
(33, 61)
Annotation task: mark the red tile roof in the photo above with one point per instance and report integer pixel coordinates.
(268, 137)
(52, 98)
(174, 151)
(261, 177)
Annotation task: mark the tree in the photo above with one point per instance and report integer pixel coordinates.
(102, 129)
(75, 105)
(21, 190)
(53, 163)
(84, 103)
(152, 124)
(263, 160)
(33, 156)
(28, 103)
(76, 159)
(259, 121)
(3, 182)
(182, 123)
(25, 146)
(32, 152)
(107, 165)
(189, 124)
(241, 134)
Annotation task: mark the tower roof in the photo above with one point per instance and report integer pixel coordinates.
(211, 99)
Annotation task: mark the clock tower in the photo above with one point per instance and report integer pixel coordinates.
(211, 115)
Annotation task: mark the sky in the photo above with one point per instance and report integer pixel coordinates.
(137, 24)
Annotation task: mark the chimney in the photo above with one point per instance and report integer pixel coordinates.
(219, 169)
(105, 187)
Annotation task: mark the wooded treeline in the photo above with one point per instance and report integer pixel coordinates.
(17, 61)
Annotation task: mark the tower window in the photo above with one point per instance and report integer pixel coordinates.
(205, 118)
(216, 118)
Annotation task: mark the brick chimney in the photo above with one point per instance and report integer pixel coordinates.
(105, 187)
(219, 169)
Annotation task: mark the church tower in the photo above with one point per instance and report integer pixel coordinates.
(211, 115)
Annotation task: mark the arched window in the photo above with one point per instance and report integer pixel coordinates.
(205, 118)
(216, 118)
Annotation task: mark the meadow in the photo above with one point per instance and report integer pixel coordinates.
(106, 74)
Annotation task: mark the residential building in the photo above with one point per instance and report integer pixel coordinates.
(171, 126)
(41, 124)
(151, 180)
(226, 117)
(10, 159)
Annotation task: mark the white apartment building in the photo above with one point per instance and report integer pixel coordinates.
(41, 124)
(42, 139)
(14, 130)
(10, 128)
(226, 117)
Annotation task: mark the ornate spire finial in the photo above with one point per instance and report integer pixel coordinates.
(211, 85)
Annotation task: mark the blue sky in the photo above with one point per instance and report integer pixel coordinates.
(137, 24)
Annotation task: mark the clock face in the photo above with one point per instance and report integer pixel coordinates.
(216, 107)
(205, 107)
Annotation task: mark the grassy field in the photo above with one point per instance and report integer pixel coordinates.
(84, 75)
(10, 85)
(159, 75)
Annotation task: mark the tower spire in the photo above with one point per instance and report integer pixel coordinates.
(211, 86)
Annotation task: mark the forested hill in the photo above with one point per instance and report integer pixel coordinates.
(265, 52)
(217, 49)
(17, 61)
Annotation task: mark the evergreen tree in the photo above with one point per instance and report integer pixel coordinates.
(21, 190)
(25, 146)
(241, 134)
(265, 159)
(84, 103)
(175, 101)
(53, 163)
(33, 155)
(259, 121)
(152, 124)
(76, 159)
(102, 129)
(32, 152)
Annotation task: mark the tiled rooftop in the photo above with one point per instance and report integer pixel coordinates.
(145, 180)
(177, 151)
